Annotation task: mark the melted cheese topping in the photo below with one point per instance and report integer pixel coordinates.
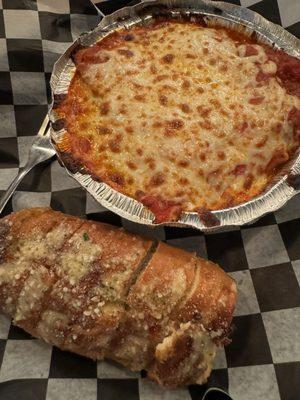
(181, 112)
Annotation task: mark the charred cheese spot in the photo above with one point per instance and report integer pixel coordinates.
(129, 129)
(240, 169)
(185, 84)
(206, 125)
(130, 180)
(294, 119)
(248, 181)
(262, 77)
(163, 99)
(175, 124)
(96, 92)
(150, 162)
(256, 100)
(129, 37)
(221, 155)
(84, 125)
(241, 127)
(126, 52)
(117, 178)
(131, 165)
(183, 163)
(140, 97)
(160, 78)
(157, 179)
(153, 69)
(183, 181)
(104, 108)
(204, 111)
(250, 51)
(185, 108)
(123, 109)
(115, 144)
(168, 58)
(83, 144)
(262, 142)
(104, 130)
(102, 58)
(157, 124)
(223, 68)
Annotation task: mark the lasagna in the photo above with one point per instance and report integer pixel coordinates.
(182, 115)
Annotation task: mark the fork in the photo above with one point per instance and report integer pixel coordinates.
(41, 150)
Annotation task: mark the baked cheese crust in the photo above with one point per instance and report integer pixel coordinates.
(182, 116)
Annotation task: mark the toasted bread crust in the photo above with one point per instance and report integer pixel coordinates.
(98, 291)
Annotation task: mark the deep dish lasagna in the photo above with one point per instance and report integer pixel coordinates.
(182, 116)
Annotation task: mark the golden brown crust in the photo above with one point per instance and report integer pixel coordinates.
(98, 291)
(211, 299)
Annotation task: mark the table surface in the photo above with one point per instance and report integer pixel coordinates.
(263, 360)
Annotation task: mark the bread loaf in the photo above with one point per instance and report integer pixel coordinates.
(98, 291)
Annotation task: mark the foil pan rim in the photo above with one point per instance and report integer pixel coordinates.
(271, 200)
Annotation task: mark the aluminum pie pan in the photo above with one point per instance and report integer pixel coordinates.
(283, 187)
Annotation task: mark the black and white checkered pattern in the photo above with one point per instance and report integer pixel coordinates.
(263, 361)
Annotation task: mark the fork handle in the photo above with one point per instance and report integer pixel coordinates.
(12, 187)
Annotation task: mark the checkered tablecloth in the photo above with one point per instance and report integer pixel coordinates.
(263, 361)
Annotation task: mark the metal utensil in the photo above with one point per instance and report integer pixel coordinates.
(41, 150)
